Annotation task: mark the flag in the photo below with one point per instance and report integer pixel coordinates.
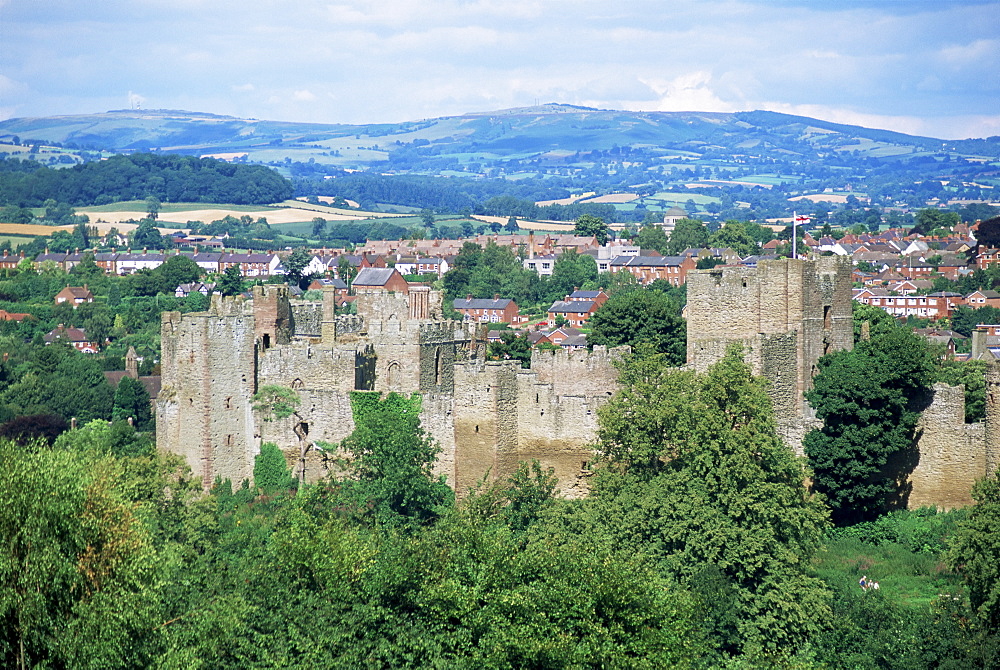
(802, 219)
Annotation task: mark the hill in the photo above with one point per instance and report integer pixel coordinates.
(716, 165)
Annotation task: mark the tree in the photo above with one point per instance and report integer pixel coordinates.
(75, 563)
(132, 402)
(688, 234)
(512, 226)
(178, 270)
(869, 400)
(295, 265)
(571, 270)
(641, 316)
(319, 227)
(652, 237)
(231, 282)
(147, 236)
(697, 478)
(270, 471)
(152, 207)
(589, 225)
(393, 484)
(733, 235)
(511, 347)
(975, 551)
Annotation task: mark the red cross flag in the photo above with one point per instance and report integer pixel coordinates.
(802, 219)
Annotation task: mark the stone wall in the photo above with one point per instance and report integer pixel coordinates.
(951, 454)
(487, 416)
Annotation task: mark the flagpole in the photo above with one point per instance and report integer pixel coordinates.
(795, 220)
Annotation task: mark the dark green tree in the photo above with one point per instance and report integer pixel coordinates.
(641, 316)
(178, 270)
(589, 225)
(733, 235)
(975, 552)
(270, 470)
(231, 281)
(652, 237)
(696, 477)
(392, 485)
(688, 234)
(132, 401)
(295, 265)
(869, 399)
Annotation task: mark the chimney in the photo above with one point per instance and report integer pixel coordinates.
(468, 296)
(496, 296)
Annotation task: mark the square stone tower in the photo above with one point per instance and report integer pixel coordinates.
(786, 314)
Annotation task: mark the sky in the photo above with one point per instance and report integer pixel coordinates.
(917, 66)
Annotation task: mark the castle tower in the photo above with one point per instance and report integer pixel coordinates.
(786, 314)
(992, 446)
(131, 363)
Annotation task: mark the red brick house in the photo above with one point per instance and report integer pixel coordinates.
(576, 312)
(487, 310)
(76, 337)
(648, 269)
(76, 295)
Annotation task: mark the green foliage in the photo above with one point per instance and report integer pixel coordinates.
(75, 563)
(132, 401)
(276, 402)
(270, 471)
(869, 400)
(734, 235)
(688, 234)
(392, 484)
(589, 225)
(972, 375)
(879, 321)
(975, 552)
(641, 316)
(652, 237)
(698, 479)
(231, 281)
(511, 347)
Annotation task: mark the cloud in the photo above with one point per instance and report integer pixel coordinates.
(382, 60)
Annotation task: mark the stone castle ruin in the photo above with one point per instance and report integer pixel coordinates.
(485, 415)
(488, 415)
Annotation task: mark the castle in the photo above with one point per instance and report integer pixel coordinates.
(489, 415)
(485, 415)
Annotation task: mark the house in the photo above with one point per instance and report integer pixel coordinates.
(543, 265)
(14, 316)
(75, 295)
(184, 290)
(941, 336)
(380, 279)
(129, 263)
(647, 269)
(338, 286)
(576, 312)
(76, 337)
(151, 383)
(598, 296)
(981, 298)
(938, 305)
(486, 310)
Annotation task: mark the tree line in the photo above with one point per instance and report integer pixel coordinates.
(169, 177)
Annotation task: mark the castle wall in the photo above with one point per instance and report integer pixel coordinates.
(952, 453)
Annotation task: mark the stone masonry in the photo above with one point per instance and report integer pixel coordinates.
(489, 415)
(486, 415)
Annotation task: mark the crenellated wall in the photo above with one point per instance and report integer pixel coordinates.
(487, 416)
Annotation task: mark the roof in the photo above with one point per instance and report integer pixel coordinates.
(572, 306)
(374, 276)
(72, 334)
(481, 303)
(586, 295)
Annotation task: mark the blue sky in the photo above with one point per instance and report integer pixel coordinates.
(921, 67)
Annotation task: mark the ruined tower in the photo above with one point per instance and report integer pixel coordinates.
(786, 314)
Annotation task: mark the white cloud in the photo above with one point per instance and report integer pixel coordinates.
(688, 92)
(303, 96)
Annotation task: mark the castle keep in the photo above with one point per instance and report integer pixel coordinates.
(486, 415)
(489, 415)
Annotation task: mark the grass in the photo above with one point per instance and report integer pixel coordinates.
(140, 206)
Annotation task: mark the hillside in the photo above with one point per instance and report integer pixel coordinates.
(715, 165)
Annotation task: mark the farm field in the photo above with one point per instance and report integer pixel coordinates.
(28, 229)
(290, 211)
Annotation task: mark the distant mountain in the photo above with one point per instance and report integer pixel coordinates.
(512, 133)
